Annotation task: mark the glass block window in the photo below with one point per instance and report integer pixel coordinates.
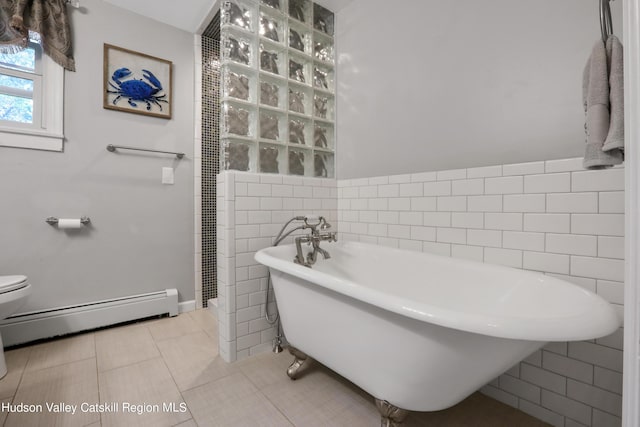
(278, 87)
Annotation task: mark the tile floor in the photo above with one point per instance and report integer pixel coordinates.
(175, 361)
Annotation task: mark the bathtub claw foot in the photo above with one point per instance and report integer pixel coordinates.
(299, 359)
(392, 416)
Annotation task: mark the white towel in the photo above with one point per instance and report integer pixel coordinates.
(595, 96)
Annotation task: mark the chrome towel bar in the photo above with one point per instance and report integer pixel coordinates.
(606, 25)
(113, 148)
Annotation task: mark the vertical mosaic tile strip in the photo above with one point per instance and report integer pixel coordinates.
(210, 154)
(278, 87)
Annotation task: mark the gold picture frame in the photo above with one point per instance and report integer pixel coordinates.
(137, 83)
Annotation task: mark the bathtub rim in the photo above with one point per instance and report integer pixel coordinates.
(572, 328)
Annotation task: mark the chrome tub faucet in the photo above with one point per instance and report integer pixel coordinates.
(318, 234)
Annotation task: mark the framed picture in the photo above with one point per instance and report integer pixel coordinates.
(136, 83)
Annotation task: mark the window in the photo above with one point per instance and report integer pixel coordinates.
(20, 83)
(31, 91)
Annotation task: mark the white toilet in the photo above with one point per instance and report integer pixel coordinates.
(14, 291)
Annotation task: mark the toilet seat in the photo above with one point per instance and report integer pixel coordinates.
(12, 283)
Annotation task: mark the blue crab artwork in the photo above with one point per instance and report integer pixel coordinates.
(137, 89)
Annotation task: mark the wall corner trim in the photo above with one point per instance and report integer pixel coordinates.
(631, 378)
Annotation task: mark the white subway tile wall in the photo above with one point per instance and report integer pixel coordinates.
(252, 208)
(552, 217)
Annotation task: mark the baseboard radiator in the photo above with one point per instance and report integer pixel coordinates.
(26, 327)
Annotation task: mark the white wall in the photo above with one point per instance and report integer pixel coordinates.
(461, 83)
(141, 237)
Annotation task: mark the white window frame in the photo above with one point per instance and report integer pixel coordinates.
(46, 132)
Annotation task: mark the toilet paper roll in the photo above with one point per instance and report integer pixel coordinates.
(69, 223)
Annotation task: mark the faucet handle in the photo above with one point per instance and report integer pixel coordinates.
(330, 236)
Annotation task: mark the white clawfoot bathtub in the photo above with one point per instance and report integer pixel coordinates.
(422, 331)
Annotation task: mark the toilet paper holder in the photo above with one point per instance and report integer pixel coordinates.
(85, 220)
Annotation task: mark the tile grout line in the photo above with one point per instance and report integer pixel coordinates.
(180, 392)
(61, 364)
(95, 349)
(273, 404)
(19, 382)
(176, 384)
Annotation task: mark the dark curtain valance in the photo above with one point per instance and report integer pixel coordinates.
(48, 18)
